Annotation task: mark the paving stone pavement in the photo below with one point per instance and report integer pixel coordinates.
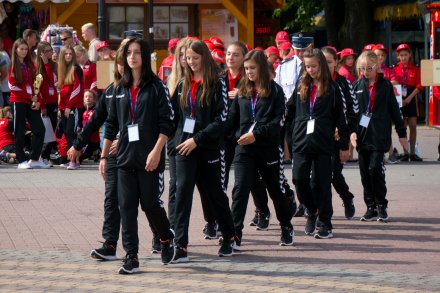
(51, 219)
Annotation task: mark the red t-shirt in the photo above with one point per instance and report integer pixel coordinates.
(6, 137)
(87, 115)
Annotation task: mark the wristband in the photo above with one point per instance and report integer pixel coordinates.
(103, 158)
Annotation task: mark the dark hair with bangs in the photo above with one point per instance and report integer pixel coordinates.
(146, 72)
(324, 76)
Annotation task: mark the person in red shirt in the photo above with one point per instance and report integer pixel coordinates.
(93, 144)
(26, 105)
(167, 63)
(346, 64)
(408, 75)
(7, 147)
(273, 56)
(70, 106)
(88, 67)
(48, 91)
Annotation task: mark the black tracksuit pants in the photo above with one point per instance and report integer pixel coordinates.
(70, 125)
(172, 189)
(372, 168)
(51, 110)
(23, 111)
(338, 180)
(204, 169)
(139, 186)
(248, 162)
(320, 197)
(112, 218)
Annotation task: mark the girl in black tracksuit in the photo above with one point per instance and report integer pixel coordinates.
(316, 109)
(257, 116)
(352, 107)
(378, 108)
(141, 112)
(201, 116)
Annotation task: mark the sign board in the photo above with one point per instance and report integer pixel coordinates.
(220, 23)
(430, 71)
(105, 71)
(398, 93)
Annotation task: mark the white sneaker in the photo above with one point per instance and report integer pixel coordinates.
(24, 165)
(48, 162)
(38, 165)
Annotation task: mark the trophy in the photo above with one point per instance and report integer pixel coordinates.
(37, 84)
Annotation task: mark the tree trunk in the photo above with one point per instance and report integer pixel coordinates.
(357, 30)
(334, 19)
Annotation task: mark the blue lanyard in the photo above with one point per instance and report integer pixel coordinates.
(26, 72)
(254, 105)
(133, 106)
(404, 76)
(192, 104)
(312, 105)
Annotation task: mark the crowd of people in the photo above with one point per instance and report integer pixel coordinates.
(211, 106)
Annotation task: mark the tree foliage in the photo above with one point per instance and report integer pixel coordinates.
(298, 15)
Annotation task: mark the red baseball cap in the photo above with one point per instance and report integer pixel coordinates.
(403, 47)
(217, 42)
(281, 36)
(172, 44)
(273, 50)
(286, 46)
(347, 52)
(380, 47)
(368, 47)
(100, 45)
(210, 45)
(258, 48)
(218, 55)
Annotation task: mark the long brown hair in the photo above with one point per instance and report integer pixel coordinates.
(243, 49)
(66, 71)
(246, 86)
(16, 65)
(210, 71)
(40, 64)
(324, 76)
(119, 60)
(177, 70)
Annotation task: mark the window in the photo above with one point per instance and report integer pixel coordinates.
(124, 18)
(170, 22)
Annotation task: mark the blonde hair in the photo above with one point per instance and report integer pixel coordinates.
(4, 112)
(90, 27)
(367, 55)
(66, 71)
(177, 70)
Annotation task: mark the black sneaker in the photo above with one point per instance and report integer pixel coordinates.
(181, 255)
(382, 214)
(254, 221)
(210, 231)
(226, 247)
(310, 226)
(349, 208)
(237, 242)
(287, 236)
(300, 211)
(263, 221)
(156, 247)
(404, 158)
(106, 252)
(415, 158)
(323, 233)
(370, 214)
(130, 265)
(168, 251)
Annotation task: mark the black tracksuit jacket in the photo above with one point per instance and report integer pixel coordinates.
(269, 118)
(210, 121)
(385, 111)
(328, 113)
(154, 116)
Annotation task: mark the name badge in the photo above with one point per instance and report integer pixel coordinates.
(189, 125)
(365, 120)
(404, 91)
(133, 132)
(29, 89)
(51, 91)
(252, 127)
(310, 126)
